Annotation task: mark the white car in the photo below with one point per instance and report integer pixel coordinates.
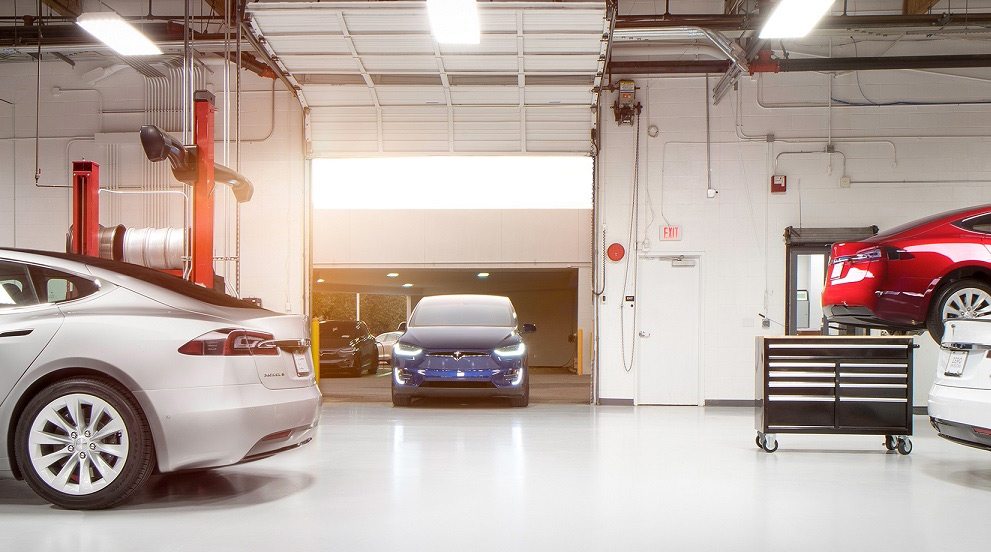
(960, 399)
(112, 371)
(384, 342)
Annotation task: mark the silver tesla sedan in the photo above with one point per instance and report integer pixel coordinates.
(111, 371)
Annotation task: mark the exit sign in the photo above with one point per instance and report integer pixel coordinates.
(671, 233)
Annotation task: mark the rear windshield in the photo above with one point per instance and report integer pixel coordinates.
(920, 222)
(464, 314)
(338, 330)
(154, 277)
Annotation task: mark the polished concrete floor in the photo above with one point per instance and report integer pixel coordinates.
(444, 476)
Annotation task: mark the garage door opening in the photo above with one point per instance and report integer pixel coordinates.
(389, 231)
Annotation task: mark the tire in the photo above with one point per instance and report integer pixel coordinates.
(373, 364)
(356, 366)
(967, 298)
(904, 446)
(523, 400)
(123, 459)
(399, 400)
(890, 442)
(767, 447)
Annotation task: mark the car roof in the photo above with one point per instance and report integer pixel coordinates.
(933, 221)
(465, 298)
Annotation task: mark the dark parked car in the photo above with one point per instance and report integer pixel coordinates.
(347, 346)
(462, 346)
(915, 276)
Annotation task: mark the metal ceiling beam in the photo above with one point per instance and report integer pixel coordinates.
(668, 67)
(883, 63)
(747, 22)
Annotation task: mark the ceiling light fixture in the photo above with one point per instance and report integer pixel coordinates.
(320, 280)
(483, 274)
(407, 285)
(794, 18)
(393, 275)
(112, 30)
(454, 21)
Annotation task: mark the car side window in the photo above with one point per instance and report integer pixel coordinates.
(57, 287)
(980, 224)
(16, 286)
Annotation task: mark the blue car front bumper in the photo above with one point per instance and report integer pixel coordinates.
(473, 375)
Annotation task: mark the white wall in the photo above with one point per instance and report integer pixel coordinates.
(272, 230)
(905, 162)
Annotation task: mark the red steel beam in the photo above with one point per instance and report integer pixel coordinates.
(86, 208)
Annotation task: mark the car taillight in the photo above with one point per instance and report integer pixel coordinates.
(231, 342)
(866, 255)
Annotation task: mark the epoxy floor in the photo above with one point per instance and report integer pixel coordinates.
(442, 476)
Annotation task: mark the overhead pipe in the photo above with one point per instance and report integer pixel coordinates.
(870, 63)
(747, 22)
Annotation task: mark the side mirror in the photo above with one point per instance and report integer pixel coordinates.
(402, 327)
(529, 328)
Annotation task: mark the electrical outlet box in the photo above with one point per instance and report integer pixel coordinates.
(844, 182)
(765, 323)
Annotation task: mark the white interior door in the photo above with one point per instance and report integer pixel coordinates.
(668, 330)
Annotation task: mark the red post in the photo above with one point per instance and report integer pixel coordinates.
(86, 208)
(202, 240)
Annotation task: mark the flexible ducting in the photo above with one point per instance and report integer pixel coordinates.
(111, 242)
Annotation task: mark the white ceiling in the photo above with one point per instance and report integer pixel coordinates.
(376, 82)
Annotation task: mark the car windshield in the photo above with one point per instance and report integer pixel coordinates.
(920, 222)
(338, 330)
(464, 314)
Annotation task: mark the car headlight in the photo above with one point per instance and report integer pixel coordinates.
(405, 350)
(512, 351)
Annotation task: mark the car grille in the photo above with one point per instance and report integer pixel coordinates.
(459, 384)
(456, 354)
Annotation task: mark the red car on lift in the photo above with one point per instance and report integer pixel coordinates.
(915, 276)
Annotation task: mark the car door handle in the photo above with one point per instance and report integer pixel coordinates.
(16, 333)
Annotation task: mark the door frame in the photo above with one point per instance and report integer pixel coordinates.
(698, 257)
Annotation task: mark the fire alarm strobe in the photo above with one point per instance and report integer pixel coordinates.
(615, 252)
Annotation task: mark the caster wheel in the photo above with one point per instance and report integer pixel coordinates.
(769, 447)
(759, 445)
(904, 446)
(890, 442)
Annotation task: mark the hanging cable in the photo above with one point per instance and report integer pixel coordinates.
(631, 254)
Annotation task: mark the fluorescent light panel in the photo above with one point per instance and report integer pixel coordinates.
(454, 21)
(113, 31)
(794, 18)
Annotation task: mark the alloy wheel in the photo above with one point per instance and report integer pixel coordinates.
(78, 444)
(968, 303)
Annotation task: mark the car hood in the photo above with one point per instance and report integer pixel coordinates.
(459, 337)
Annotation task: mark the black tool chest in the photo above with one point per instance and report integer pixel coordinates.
(836, 385)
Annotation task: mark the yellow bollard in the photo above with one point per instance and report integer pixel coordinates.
(315, 349)
(579, 358)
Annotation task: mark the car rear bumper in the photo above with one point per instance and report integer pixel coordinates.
(205, 427)
(962, 434)
(961, 405)
(862, 316)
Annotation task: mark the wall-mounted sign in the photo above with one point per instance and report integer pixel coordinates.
(671, 233)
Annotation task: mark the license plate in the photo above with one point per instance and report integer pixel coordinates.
(302, 366)
(837, 271)
(954, 365)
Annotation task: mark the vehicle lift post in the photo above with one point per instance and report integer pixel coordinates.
(202, 242)
(86, 208)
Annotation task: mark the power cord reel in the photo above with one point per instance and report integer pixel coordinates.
(626, 108)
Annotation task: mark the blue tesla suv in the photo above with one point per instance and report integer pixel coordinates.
(462, 346)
